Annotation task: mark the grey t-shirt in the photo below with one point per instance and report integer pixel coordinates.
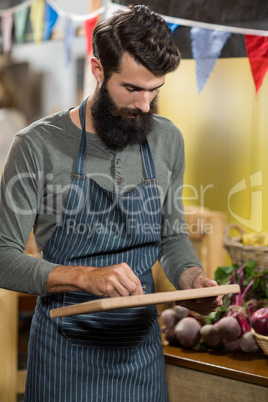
(38, 175)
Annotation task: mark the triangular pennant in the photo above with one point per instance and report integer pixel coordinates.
(69, 32)
(172, 26)
(89, 25)
(37, 19)
(51, 17)
(20, 19)
(6, 28)
(257, 50)
(206, 47)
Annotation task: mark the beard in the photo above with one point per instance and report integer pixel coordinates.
(115, 126)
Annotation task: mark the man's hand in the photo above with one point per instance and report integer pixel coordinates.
(114, 280)
(193, 278)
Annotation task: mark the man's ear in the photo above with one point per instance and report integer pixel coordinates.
(97, 70)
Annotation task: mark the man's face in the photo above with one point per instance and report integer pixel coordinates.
(122, 109)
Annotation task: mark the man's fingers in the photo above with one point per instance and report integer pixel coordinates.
(117, 280)
(126, 282)
(202, 306)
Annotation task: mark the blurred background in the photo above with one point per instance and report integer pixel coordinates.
(214, 98)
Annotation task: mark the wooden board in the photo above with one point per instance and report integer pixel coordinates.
(116, 303)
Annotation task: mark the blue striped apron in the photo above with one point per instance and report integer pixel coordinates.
(108, 356)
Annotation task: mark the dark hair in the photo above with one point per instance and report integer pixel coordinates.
(143, 34)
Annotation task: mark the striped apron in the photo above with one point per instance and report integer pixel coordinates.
(109, 356)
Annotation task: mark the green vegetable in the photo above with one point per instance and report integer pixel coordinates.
(253, 294)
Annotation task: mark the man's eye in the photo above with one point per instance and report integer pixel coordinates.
(130, 89)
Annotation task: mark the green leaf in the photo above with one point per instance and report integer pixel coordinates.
(250, 265)
(223, 275)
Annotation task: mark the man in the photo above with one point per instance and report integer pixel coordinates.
(101, 184)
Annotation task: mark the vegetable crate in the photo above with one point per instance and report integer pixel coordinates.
(240, 252)
(261, 340)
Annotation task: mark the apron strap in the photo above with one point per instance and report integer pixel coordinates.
(148, 161)
(146, 154)
(80, 164)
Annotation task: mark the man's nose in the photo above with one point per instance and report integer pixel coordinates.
(143, 101)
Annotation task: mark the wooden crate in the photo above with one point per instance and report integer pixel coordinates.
(206, 231)
(12, 380)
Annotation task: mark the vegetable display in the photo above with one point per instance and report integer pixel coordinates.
(229, 327)
(255, 239)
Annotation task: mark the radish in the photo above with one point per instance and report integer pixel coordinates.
(232, 346)
(168, 318)
(170, 336)
(248, 343)
(210, 335)
(229, 328)
(259, 321)
(181, 312)
(187, 332)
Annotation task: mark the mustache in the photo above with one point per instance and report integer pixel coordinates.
(126, 113)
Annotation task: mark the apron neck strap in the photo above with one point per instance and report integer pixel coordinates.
(148, 162)
(80, 164)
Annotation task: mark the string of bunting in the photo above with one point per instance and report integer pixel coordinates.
(207, 39)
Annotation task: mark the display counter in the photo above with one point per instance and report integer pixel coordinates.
(216, 376)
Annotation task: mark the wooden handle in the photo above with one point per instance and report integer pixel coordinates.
(116, 303)
(227, 230)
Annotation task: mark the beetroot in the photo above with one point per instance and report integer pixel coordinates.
(259, 321)
(181, 312)
(168, 318)
(232, 346)
(187, 332)
(229, 328)
(171, 336)
(248, 343)
(210, 335)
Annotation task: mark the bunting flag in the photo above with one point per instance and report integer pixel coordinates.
(51, 17)
(206, 47)
(37, 19)
(257, 51)
(207, 39)
(89, 25)
(6, 28)
(172, 26)
(69, 32)
(20, 19)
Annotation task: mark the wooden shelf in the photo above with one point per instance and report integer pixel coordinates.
(248, 367)
(215, 376)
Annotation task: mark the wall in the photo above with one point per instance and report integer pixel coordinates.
(59, 79)
(226, 139)
(49, 59)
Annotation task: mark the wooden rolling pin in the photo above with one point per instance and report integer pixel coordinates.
(115, 303)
